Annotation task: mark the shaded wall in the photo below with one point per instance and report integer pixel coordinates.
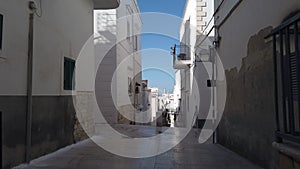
(248, 122)
(53, 122)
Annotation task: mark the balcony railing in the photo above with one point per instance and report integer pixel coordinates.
(181, 56)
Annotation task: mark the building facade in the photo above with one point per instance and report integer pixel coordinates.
(38, 51)
(118, 62)
(259, 65)
(154, 104)
(177, 91)
(192, 59)
(145, 116)
(248, 34)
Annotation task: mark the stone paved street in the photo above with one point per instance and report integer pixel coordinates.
(189, 154)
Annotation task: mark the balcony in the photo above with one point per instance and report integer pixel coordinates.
(106, 4)
(181, 60)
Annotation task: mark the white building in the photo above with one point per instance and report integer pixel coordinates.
(177, 90)
(144, 117)
(118, 79)
(40, 42)
(166, 101)
(193, 63)
(154, 104)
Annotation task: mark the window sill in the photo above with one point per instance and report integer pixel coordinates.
(2, 58)
(290, 150)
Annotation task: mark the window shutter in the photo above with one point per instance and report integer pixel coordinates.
(69, 67)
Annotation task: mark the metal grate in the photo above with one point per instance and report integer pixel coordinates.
(294, 79)
(286, 50)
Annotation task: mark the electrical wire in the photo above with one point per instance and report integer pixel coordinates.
(214, 14)
(211, 19)
(222, 22)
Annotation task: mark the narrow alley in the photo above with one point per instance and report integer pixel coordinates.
(189, 154)
(150, 84)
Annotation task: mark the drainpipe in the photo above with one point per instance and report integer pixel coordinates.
(29, 83)
(1, 140)
(214, 87)
(136, 95)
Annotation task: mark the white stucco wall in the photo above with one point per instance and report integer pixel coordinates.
(246, 24)
(128, 13)
(177, 89)
(13, 61)
(198, 13)
(121, 63)
(209, 10)
(188, 37)
(62, 30)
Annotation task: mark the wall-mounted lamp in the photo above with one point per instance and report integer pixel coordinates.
(216, 42)
(32, 6)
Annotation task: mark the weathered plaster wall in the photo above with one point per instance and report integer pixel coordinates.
(85, 115)
(52, 126)
(14, 130)
(245, 21)
(248, 122)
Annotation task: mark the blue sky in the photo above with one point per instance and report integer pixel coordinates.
(157, 47)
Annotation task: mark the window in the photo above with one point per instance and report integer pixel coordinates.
(211, 83)
(69, 67)
(286, 51)
(137, 88)
(129, 85)
(136, 43)
(1, 30)
(129, 23)
(128, 31)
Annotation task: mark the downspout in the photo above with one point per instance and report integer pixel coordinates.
(214, 87)
(136, 95)
(1, 139)
(29, 83)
